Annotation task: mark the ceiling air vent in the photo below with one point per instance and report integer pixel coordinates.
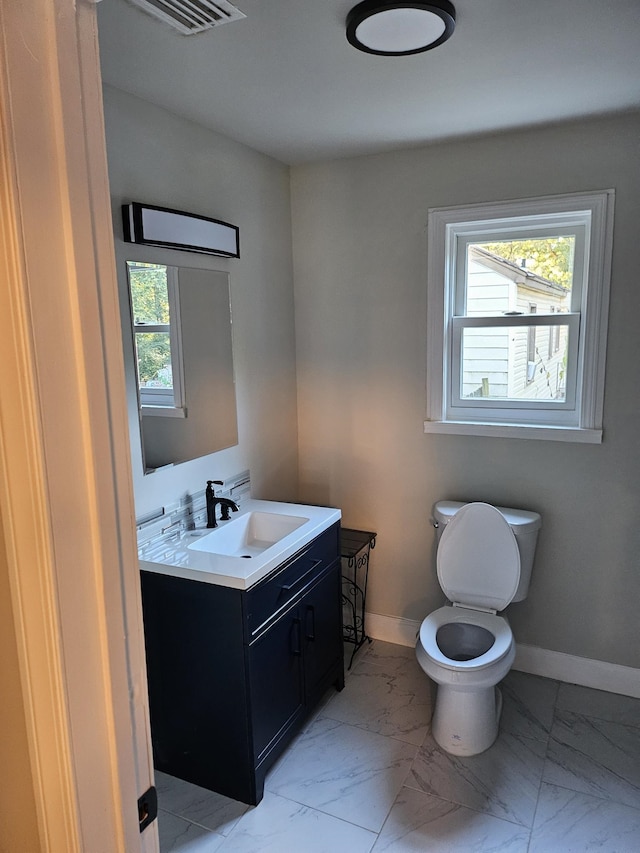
(191, 16)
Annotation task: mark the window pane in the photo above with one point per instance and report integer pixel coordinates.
(153, 354)
(507, 276)
(149, 293)
(512, 363)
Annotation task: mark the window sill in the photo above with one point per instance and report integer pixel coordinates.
(163, 412)
(541, 433)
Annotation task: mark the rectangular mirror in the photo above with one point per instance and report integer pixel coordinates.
(182, 355)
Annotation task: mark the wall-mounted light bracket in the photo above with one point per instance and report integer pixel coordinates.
(174, 229)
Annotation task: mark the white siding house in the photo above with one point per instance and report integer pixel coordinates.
(512, 363)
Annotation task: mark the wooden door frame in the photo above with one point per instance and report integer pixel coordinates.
(66, 497)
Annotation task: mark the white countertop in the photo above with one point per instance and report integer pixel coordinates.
(171, 555)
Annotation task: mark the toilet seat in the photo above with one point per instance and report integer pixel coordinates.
(496, 625)
(478, 559)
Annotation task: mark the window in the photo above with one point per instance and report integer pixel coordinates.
(155, 313)
(518, 300)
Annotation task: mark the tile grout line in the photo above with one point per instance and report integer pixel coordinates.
(195, 823)
(327, 814)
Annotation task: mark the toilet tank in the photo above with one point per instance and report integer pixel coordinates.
(525, 526)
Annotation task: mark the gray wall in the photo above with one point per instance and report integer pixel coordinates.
(158, 158)
(359, 236)
(360, 251)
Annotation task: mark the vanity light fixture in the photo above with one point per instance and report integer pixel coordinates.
(400, 29)
(175, 229)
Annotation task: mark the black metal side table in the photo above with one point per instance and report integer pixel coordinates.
(355, 547)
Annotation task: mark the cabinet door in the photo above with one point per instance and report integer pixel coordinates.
(321, 611)
(276, 686)
(197, 686)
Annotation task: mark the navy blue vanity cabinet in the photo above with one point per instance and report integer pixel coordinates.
(322, 634)
(233, 673)
(276, 683)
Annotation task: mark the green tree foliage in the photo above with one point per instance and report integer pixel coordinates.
(150, 305)
(149, 297)
(154, 360)
(550, 258)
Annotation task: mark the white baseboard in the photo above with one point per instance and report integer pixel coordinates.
(598, 674)
(576, 670)
(392, 629)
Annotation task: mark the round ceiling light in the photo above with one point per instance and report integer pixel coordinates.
(400, 29)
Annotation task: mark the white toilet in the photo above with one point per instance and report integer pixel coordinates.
(484, 561)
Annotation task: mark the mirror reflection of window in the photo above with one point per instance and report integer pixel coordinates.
(179, 360)
(155, 309)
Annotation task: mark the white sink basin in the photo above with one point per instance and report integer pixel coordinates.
(249, 535)
(268, 532)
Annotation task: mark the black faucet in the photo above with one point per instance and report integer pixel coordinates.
(225, 503)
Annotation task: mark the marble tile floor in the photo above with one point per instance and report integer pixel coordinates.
(366, 775)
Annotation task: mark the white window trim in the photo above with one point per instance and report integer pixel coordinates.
(444, 225)
(148, 410)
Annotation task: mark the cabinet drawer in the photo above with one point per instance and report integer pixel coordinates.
(268, 598)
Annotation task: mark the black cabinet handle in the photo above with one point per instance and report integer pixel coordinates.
(295, 633)
(310, 633)
(289, 586)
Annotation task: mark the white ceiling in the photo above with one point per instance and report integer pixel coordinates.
(286, 82)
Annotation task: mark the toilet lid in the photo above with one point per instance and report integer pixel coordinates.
(478, 559)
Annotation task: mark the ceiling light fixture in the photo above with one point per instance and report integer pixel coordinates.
(400, 29)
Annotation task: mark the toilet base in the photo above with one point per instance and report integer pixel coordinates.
(466, 722)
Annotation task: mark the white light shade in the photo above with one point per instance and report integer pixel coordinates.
(166, 227)
(399, 28)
